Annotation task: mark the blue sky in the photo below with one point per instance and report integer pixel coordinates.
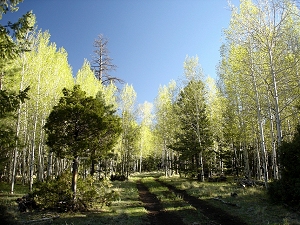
(148, 39)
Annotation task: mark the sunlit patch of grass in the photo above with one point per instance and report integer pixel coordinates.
(195, 184)
(183, 207)
(185, 185)
(154, 187)
(154, 174)
(158, 189)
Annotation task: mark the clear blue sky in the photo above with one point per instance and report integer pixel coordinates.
(148, 39)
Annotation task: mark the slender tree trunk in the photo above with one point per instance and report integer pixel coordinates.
(1, 80)
(17, 126)
(141, 159)
(166, 155)
(111, 167)
(13, 175)
(75, 176)
(24, 166)
(201, 166)
(49, 165)
(247, 167)
(276, 102)
(259, 175)
(31, 166)
(276, 98)
(105, 168)
(236, 161)
(92, 171)
(56, 167)
(41, 154)
(261, 131)
(273, 143)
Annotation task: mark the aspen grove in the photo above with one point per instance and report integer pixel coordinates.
(197, 126)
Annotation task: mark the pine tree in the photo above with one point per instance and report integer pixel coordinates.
(75, 127)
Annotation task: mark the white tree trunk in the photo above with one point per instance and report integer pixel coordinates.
(17, 129)
(31, 166)
(261, 131)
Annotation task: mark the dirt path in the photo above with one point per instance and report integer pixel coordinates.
(158, 216)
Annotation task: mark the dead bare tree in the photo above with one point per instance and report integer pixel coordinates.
(102, 63)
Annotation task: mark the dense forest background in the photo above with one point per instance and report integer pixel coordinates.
(196, 126)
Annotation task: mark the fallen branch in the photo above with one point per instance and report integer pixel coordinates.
(42, 220)
(224, 202)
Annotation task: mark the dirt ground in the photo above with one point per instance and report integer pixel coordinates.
(157, 216)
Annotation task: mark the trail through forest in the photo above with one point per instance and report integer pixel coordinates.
(157, 215)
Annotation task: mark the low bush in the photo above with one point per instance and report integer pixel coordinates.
(118, 177)
(56, 194)
(287, 191)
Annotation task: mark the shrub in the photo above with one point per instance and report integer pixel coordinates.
(118, 177)
(287, 189)
(56, 194)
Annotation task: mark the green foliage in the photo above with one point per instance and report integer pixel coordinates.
(10, 101)
(12, 42)
(194, 135)
(76, 124)
(10, 5)
(151, 163)
(56, 194)
(81, 126)
(287, 189)
(12, 36)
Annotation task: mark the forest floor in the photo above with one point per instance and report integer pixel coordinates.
(158, 216)
(150, 198)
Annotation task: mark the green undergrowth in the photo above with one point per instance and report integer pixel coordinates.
(251, 204)
(127, 209)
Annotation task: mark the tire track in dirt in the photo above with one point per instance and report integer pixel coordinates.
(156, 214)
(213, 213)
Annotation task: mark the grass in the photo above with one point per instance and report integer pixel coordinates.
(9, 200)
(253, 204)
(125, 210)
